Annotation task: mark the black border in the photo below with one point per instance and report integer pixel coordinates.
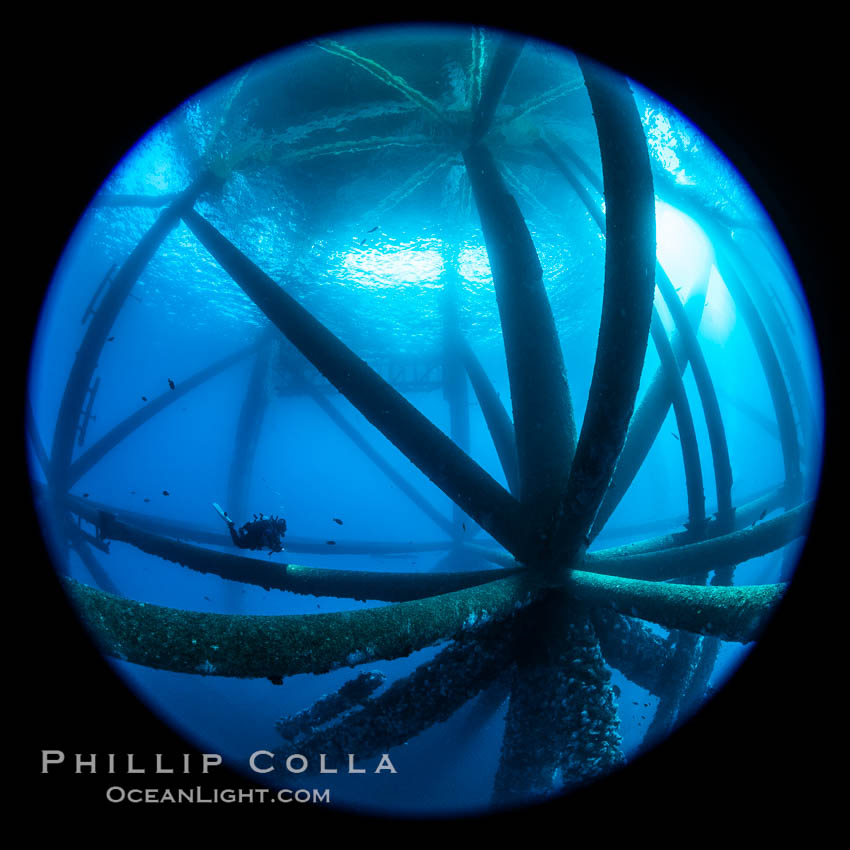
(764, 92)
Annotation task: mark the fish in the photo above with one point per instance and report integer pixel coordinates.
(463, 526)
(165, 493)
(85, 495)
(144, 398)
(171, 383)
(337, 520)
(763, 515)
(374, 229)
(110, 339)
(147, 500)
(331, 542)
(676, 436)
(363, 242)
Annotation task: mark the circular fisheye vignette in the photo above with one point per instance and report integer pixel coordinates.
(398, 208)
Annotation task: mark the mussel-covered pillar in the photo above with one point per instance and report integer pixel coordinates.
(562, 725)
(561, 729)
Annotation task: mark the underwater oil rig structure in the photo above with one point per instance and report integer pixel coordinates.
(542, 625)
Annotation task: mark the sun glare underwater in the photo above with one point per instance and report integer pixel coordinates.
(431, 392)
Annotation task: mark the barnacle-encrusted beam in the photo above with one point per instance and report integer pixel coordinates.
(687, 560)
(732, 613)
(699, 558)
(697, 688)
(273, 647)
(313, 581)
(747, 515)
(331, 707)
(450, 468)
(631, 647)
(626, 305)
(90, 510)
(677, 675)
(429, 695)
(673, 556)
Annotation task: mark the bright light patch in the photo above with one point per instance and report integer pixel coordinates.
(665, 143)
(394, 268)
(682, 248)
(474, 264)
(150, 168)
(685, 253)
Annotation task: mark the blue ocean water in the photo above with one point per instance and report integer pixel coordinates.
(344, 191)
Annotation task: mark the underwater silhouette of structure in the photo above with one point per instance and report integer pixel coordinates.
(544, 622)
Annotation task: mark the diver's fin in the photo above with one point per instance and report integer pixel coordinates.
(222, 514)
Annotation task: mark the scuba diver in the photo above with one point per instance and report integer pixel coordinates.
(264, 532)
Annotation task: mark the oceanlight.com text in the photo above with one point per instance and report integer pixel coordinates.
(118, 794)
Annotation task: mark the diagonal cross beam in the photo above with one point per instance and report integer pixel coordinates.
(98, 329)
(399, 481)
(498, 421)
(135, 420)
(425, 445)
